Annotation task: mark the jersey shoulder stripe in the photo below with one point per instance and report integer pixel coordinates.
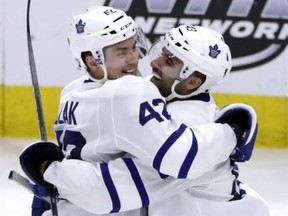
(167, 144)
(189, 158)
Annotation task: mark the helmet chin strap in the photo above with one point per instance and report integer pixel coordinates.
(170, 97)
(104, 79)
(174, 94)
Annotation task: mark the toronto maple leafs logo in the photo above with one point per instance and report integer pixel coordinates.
(80, 26)
(214, 51)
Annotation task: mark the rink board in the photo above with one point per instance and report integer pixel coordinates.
(19, 117)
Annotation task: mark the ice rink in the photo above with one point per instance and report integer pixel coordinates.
(267, 173)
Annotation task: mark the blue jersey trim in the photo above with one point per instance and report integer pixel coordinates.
(189, 158)
(88, 81)
(167, 144)
(138, 181)
(110, 187)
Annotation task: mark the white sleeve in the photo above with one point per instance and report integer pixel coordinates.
(120, 185)
(143, 127)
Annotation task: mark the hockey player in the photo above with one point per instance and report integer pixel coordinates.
(173, 56)
(69, 128)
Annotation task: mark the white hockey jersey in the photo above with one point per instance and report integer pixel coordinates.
(217, 193)
(136, 184)
(129, 115)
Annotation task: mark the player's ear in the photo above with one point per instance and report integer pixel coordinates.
(193, 82)
(90, 62)
(94, 70)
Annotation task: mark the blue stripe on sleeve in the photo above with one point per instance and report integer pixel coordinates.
(138, 181)
(189, 158)
(167, 144)
(110, 187)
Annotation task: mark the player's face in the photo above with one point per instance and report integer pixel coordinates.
(122, 59)
(166, 68)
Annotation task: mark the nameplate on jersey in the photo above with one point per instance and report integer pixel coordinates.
(67, 114)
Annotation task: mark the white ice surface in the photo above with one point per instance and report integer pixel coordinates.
(266, 172)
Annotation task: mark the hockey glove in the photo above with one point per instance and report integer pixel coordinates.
(39, 206)
(40, 202)
(243, 119)
(35, 155)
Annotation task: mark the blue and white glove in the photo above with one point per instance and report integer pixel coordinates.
(34, 160)
(243, 119)
(35, 156)
(40, 202)
(39, 206)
